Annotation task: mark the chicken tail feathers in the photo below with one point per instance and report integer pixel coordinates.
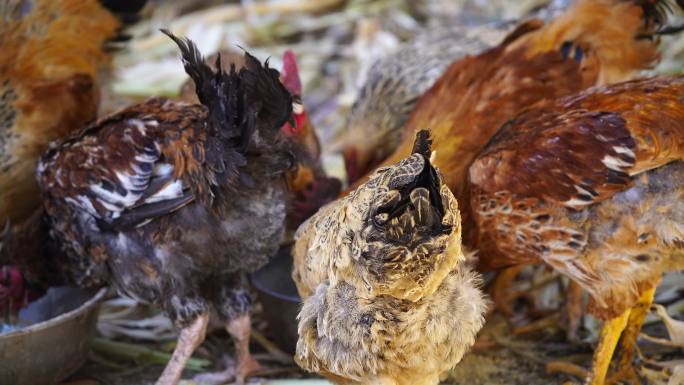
(236, 99)
(193, 62)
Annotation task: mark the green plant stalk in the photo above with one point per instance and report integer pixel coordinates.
(142, 354)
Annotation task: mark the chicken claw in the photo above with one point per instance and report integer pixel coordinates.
(244, 364)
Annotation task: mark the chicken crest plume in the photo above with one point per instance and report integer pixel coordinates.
(220, 91)
(254, 87)
(389, 297)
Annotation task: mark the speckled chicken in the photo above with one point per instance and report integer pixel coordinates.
(593, 185)
(389, 297)
(593, 42)
(174, 203)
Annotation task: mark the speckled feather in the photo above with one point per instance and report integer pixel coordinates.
(577, 182)
(173, 203)
(389, 297)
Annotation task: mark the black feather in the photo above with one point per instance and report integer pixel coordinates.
(422, 144)
(264, 90)
(143, 213)
(656, 13)
(239, 103)
(200, 73)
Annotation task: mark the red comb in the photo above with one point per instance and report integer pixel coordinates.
(290, 74)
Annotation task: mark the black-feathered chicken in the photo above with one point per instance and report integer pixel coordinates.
(174, 203)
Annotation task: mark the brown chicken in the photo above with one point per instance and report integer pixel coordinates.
(594, 42)
(309, 183)
(591, 184)
(51, 53)
(175, 203)
(395, 84)
(389, 297)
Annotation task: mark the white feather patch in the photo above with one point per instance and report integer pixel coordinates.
(113, 197)
(574, 202)
(583, 191)
(170, 191)
(614, 163)
(139, 125)
(624, 150)
(162, 169)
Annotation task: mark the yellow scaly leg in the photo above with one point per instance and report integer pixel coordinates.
(608, 340)
(626, 370)
(610, 335)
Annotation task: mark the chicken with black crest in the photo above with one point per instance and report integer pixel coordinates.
(175, 203)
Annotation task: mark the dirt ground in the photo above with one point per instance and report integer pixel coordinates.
(500, 358)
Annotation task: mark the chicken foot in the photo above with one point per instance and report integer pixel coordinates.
(603, 354)
(628, 346)
(627, 325)
(190, 338)
(244, 364)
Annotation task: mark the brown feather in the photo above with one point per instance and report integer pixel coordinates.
(576, 183)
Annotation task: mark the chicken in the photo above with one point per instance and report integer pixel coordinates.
(174, 203)
(393, 86)
(592, 43)
(309, 183)
(389, 297)
(14, 292)
(52, 51)
(591, 184)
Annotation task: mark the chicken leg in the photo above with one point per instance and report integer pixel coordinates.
(501, 291)
(637, 315)
(239, 329)
(575, 310)
(608, 340)
(603, 354)
(627, 325)
(190, 338)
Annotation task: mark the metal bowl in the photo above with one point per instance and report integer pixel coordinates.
(53, 337)
(279, 297)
